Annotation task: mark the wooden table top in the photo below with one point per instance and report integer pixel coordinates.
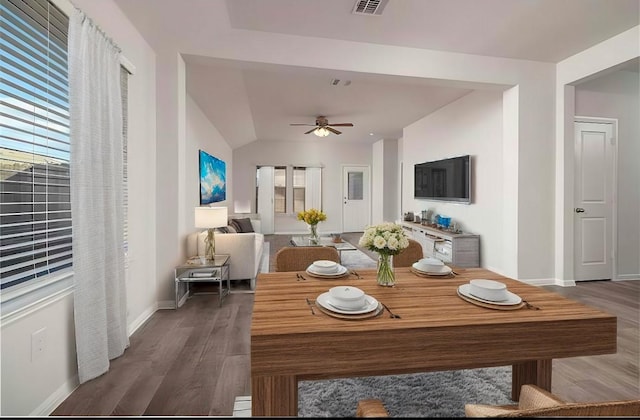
(286, 338)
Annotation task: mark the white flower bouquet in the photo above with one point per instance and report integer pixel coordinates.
(386, 238)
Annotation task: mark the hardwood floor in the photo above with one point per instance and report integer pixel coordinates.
(196, 360)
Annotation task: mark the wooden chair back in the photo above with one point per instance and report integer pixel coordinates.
(298, 258)
(536, 402)
(409, 255)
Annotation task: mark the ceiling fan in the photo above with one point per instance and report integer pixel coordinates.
(322, 127)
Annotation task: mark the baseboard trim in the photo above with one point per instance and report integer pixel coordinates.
(144, 317)
(57, 398)
(627, 277)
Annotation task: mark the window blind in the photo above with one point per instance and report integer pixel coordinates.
(35, 208)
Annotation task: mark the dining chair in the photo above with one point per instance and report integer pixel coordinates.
(298, 258)
(409, 255)
(536, 402)
(371, 408)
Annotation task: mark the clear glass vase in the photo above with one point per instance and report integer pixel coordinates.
(385, 274)
(313, 236)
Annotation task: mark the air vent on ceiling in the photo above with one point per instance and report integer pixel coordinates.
(369, 7)
(336, 82)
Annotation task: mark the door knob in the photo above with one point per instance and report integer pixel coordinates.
(579, 210)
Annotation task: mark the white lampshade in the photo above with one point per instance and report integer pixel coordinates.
(210, 217)
(321, 132)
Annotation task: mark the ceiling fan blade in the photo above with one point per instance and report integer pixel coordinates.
(310, 131)
(333, 130)
(310, 125)
(342, 125)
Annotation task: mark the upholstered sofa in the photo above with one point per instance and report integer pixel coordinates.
(245, 248)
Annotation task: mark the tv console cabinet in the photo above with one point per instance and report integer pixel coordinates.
(459, 249)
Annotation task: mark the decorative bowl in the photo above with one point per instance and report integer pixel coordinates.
(430, 265)
(488, 289)
(347, 297)
(324, 267)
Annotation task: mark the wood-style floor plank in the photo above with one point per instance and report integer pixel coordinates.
(196, 360)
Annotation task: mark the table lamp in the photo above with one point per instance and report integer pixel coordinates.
(210, 218)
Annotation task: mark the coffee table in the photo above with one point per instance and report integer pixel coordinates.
(324, 241)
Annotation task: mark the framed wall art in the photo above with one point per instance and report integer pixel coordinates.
(213, 179)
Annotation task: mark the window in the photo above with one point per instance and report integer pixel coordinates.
(280, 189)
(35, 208)
(299, 182)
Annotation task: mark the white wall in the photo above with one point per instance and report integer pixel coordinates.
(615, 95)
(330, 155)
(202, 135)
(37, 387)
(472, 125)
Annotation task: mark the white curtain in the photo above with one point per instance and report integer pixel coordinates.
(95, 109)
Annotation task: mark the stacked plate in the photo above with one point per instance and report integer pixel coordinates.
(489, 292)
(431, 267)
(326, 269)
(347, 300)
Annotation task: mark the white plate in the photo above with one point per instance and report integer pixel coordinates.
(342, 270)
(445, 270)
(324, 300)
(512, 298)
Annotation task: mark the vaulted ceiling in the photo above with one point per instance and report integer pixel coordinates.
(248, 101)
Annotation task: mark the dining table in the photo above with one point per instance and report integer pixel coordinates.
(434, 329)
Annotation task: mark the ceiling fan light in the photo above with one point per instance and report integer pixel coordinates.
(321, 132)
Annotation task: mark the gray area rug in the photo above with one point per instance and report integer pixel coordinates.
(432, 394)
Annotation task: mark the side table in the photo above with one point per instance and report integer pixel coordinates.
(193, 271)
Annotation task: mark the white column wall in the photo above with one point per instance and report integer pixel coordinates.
(377, 182)
(390, 181)
(170, 178)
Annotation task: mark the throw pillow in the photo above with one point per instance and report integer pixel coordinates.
(222, 229)
(242, 225)
(231, 228)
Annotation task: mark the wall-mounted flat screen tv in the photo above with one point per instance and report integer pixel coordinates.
(213, 179)
(444, 180)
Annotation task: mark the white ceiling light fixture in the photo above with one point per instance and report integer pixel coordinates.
(323, 128)
(321, 132)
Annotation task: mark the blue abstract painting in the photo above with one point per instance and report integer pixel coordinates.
(213, 179)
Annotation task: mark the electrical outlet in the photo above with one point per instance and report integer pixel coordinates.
(38, 343)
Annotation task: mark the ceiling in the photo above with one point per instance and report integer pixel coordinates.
(248, 101)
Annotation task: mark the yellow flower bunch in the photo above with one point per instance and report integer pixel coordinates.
(312, 216)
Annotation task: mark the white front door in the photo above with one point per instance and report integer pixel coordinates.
(356, 211)
(265, 193)
(594, 197)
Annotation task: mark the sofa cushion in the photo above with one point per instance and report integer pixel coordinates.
(242, 225)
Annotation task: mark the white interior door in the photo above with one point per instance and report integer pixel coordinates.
(265, 193)
(594, 198)
(356, 211)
